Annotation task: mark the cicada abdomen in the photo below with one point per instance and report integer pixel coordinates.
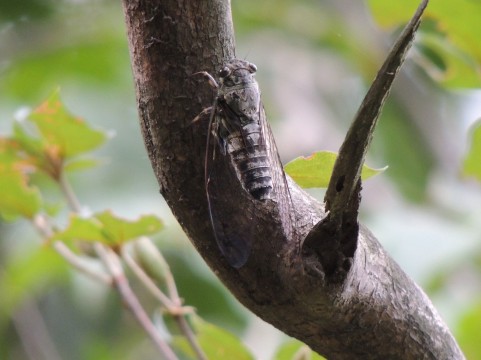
(248, 154)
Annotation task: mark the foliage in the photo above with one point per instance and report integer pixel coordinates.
(472, 163)
(316, 170)
(450, 44)
(47, 142)
(47, 44)
(217, 343)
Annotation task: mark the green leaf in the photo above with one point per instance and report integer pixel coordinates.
(216, 343)
(107, 228)
(294, 349)
(123, 230)
(65, 135)
(98, 58)
(315, 170)
(27, 275)
(81, 164)
(400, 144)
(458, 19)
(30, 144)
(468, 332)
(18, 198)
(472, 161)
(12, 11)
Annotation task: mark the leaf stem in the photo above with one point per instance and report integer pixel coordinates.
(41, 223)
(67, 190)
(172, 304)
(112, 263)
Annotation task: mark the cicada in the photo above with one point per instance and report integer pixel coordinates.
(243, 138)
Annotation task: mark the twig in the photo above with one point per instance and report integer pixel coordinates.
(112, 263)
(41, 223)
(80, 264)
(334, 239)
(72, 199)
(172, 304)
(189, 334)
(33, 332)
(146, 280)
(343, 184)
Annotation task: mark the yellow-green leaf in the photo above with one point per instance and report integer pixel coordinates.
(217, 343)
(81, 164)
(17, 197)
(65, 134)
(294, 349)
(468, 332)
(457, 22)
(27, 275)
(315, 171)
(472, 161)
(109, 229)
(122, 230)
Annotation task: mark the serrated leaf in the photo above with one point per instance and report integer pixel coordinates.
(315, 171)
(294, 349)
(17, 198)
(472, 161)
(79, 228)
(123, 230)
(64, 134)
(109, 229)
(216, 343)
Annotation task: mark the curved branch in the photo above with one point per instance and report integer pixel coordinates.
(375, 312)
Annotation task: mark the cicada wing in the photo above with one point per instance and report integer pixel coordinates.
(224, 215)
(279, 179)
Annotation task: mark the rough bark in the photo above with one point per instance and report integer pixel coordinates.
(375, 312)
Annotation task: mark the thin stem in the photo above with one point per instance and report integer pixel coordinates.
(41, 223)
(146, 280)
(67, 190)
(189, 334)
(112, 263)
(80, 264)
(173, 304)
(33, 332)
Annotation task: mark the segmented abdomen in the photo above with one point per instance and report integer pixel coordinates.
(248, 154)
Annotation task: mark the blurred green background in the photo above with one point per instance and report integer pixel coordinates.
(315, 61)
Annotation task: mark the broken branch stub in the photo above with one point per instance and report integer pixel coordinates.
(334, 238)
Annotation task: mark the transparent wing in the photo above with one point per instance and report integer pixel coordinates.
(281, 187)
(235, 246)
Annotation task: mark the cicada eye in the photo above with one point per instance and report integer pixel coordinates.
(224, 72)
(252, 68)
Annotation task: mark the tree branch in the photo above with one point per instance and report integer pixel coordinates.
(375, 312)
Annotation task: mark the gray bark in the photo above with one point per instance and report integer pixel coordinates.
(375, 312)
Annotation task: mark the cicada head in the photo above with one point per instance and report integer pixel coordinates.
(237, 72)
